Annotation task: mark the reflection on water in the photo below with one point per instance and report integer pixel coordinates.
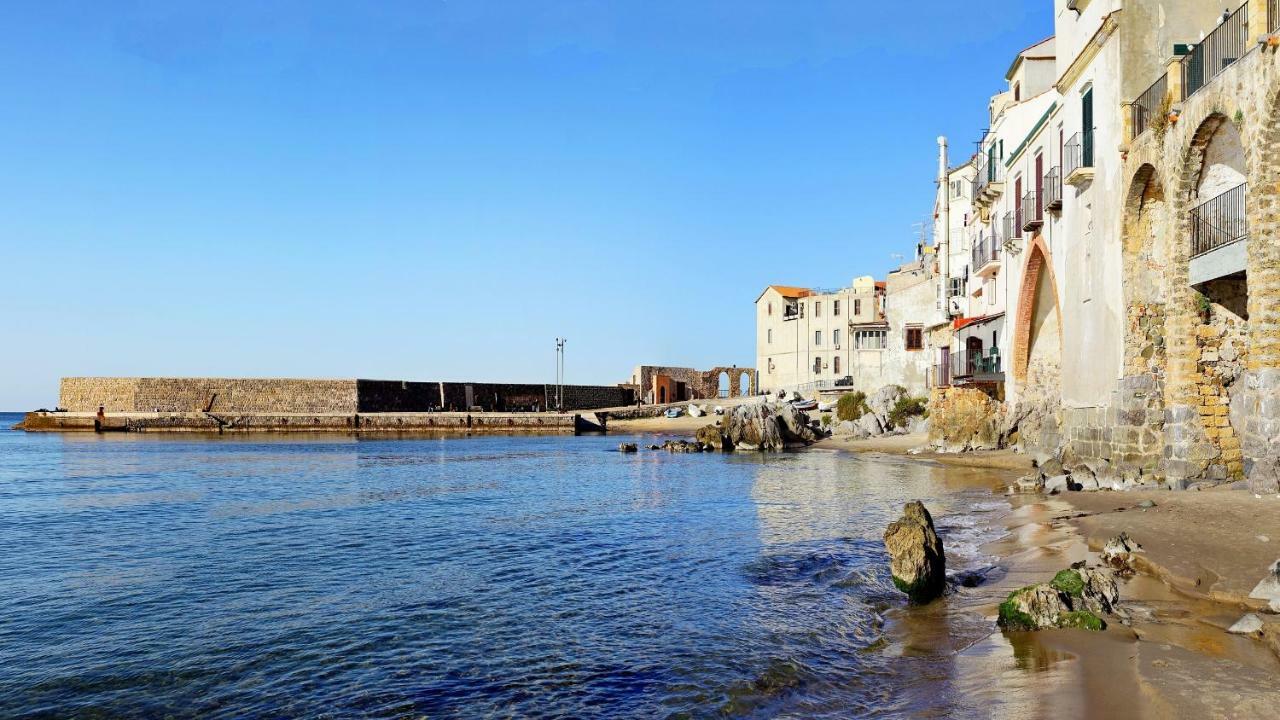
(530, 576)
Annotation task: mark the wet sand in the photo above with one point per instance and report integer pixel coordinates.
(1204, 551)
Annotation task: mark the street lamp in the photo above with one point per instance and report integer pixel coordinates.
(560, 373)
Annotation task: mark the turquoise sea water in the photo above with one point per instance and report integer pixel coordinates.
(333, 576)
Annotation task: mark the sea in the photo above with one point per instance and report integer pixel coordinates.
(335, 576)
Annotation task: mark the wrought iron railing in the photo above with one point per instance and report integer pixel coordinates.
(980, 177)
(939, 375)
(1053, 189)
(1220, 48)
(1220, 221)
(1078, 152)
(984, 252)
(1149, 104)
(1032, 211)
(1273, 15)
(1012, 226)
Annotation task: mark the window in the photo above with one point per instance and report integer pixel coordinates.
(956, 286)
(770, 337)
(770, 307)
(870, 339)
(835, 308)
(817, 366)
(817, 309)
(835, 365)
(835, 337)
(817, 338)
(915, 338)
(990, 290)
(857, 307)
(1017, 92)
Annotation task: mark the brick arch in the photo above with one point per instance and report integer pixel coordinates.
(1039, 262)
(1263, 205)
(1144, 254)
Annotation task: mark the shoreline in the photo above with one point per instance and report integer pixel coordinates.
(1202, 554)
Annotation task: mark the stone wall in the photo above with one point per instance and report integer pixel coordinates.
(217, 395)
(230, 396)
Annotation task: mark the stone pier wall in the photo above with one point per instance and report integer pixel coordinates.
(231, 396)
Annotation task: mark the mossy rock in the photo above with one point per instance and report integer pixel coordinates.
(1069, 582)
(1011, 618)
(1082, 619)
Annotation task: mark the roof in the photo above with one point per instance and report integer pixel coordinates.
(786, 291)
(1025, 54)
(881, 285)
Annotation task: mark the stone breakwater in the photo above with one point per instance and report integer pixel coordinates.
(475, 423)
(285, 396)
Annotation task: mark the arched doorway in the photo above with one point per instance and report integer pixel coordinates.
(725, 387)
(744, 384)
(1037, 342)
(1146, 257)
(662, 395)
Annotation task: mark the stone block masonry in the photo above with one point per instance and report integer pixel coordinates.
(219, 395)
(235, 396)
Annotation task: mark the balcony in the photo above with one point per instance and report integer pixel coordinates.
(1217, 52)
(1149, 104)
(1077, 159)
(985, 258)
(1032, 211)
(988, 183)
(1012, 226)
(977, 365)
(1219, 236)
(1053, 189)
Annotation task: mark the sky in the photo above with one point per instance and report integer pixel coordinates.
(436, 190)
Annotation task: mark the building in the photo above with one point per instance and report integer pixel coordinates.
(655, 384)
(1121, 290)
(862, 337)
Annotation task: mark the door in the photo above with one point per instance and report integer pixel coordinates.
(973, 351)
(1017, 202)
(1086, 127)
(1039, 185)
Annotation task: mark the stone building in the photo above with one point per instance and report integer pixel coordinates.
(1140, 297)
(655, 384)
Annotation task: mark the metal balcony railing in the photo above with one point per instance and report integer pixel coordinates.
(975, 363)
(1220, 221)
(1078, 152)
(940, 375)
(1220, 48)
(980, 177)
(1012, 226)
(1273, 15)
(1149, 104)
(1032, 211)
(1053, 189)
(984, 252)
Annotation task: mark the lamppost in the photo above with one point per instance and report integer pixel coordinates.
(560, 373)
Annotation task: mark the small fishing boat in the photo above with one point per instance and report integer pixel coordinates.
(672, 412)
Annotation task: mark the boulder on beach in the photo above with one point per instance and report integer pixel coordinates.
(916, 557)
(767, 427)
(1075, 598)
(1118, 552)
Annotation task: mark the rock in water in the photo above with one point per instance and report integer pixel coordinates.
(1075, 598)
(768, 427)
(709, 436)
(916, 556)
(627, 448)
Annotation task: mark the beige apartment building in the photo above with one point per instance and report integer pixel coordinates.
(862, 337)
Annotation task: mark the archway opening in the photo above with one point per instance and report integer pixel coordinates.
(1037, 345)
(725, 385)
(1146, 259)
(744, 384)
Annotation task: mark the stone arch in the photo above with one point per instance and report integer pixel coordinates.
(1038, 327)
(1144, 253)
(745, 383)
(724, 384)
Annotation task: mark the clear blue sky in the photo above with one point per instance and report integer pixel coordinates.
(436, 190)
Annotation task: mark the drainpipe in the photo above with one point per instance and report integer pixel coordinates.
(944, 245)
